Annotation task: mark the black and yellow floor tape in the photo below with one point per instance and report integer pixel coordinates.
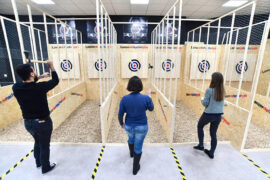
(98, 162)
(257, 166)
(178, 164)
(18, 163)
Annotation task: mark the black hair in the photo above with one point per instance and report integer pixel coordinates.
(135, 84)
(24, 71)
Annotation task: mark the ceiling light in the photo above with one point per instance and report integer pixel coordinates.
(234, 3)
(43, 1)
(139, 1)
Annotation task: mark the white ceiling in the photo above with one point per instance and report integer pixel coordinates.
(191, 8)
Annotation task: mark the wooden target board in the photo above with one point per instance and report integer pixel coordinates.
(67, 65)
(236, 65)
(95, 65)
(202, 65)
(134, 64)
(165, 65)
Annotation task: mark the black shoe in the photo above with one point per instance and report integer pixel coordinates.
(209, 154)
(38, 165)
(136, 163)
(52, 166)
(131, 149)
(198, 147)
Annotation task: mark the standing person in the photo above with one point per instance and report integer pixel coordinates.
(32, 98)
(135, 106)
(213, 102)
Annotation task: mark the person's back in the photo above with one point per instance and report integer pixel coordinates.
(32, 98)
(213, 102)
(135, 105)
(211, 105)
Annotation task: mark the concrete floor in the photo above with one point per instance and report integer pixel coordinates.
(78, 162)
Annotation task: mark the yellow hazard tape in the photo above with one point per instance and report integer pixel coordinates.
(17, 164)
(178, 164)
(257, 166)
(98, 162)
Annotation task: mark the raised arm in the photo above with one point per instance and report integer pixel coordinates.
(48, 85)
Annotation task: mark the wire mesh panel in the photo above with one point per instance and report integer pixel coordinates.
(231, 44)
(14, 44)
(166, 60)
(5, 68)
(107, 67)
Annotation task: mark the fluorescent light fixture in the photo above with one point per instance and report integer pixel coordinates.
(234, 3)
(139, 1)
(43, 1)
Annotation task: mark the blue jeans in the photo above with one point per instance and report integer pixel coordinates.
(136, 136)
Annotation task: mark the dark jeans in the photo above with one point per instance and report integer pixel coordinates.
(214, 120)
(41, 130)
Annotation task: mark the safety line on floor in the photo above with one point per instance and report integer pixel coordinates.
(17, 164)
(98, 163)
(178, 164)
(257, 166)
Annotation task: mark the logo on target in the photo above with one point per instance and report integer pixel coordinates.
(204, 66)
(100, 65)
(66, 65)
(239, 67)
(134, 65)
(167, 65)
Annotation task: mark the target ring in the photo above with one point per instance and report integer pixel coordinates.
(204, 66)
(134, 65)
(239, 67)
(100, 65)
(66, 65)
(167, 65)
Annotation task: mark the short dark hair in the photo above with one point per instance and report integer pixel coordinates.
(135, 84)
(24, 71)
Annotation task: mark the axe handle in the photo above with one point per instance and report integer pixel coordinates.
(36, 61)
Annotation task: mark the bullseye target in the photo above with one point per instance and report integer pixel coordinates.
(167, 65)
(100, 65)
(204, 66)
(239, 67)
(134, 65)
(66, 65)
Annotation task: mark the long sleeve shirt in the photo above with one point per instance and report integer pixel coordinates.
(211, 105)
(32, 97)
(135, 106)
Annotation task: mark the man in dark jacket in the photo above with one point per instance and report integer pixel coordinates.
(32, 98)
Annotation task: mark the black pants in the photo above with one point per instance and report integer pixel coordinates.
(41, 130)
(214, 120)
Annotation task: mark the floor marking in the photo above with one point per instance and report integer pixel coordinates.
(257, 166)
(98, 162)
(178, 164)
(17, 164)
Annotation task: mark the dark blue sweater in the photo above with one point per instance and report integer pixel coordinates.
(135, 106)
